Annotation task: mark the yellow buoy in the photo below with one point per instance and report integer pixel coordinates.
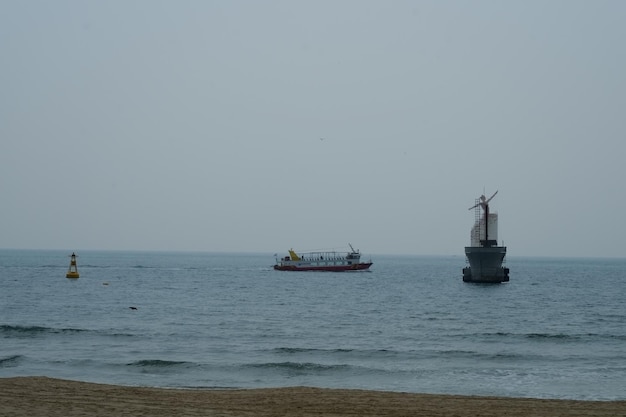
(73, 271)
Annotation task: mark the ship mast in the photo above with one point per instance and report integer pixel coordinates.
(486, 241)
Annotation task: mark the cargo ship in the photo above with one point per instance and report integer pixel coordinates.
(331, 261)
(484, 256)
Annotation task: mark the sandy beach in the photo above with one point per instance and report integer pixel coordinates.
(41, 396)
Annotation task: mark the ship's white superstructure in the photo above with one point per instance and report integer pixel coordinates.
(478, 231)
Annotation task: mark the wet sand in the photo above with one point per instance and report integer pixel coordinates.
(41, 396)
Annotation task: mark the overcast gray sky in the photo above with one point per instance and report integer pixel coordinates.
(264, 125)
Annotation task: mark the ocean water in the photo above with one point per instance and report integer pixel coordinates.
(209, 320)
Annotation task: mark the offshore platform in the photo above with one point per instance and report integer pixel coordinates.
(484, 256)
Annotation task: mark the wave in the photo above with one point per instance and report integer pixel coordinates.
(471, 354)
(7, 329)
(555, 336)
(526, 335)
(309, 350)
(399, 355)
(10, 361)
(560, 336)
(90, 266)
(299, 366)
(157, 363)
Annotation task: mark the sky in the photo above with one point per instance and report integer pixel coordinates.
(249, 126)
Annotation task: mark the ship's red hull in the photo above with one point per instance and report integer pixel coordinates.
(326, 268)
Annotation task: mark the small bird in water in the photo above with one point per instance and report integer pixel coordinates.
(133, 308)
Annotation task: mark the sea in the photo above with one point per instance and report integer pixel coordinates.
(229, 320)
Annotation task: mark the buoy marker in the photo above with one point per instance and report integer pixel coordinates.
(72, 272)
